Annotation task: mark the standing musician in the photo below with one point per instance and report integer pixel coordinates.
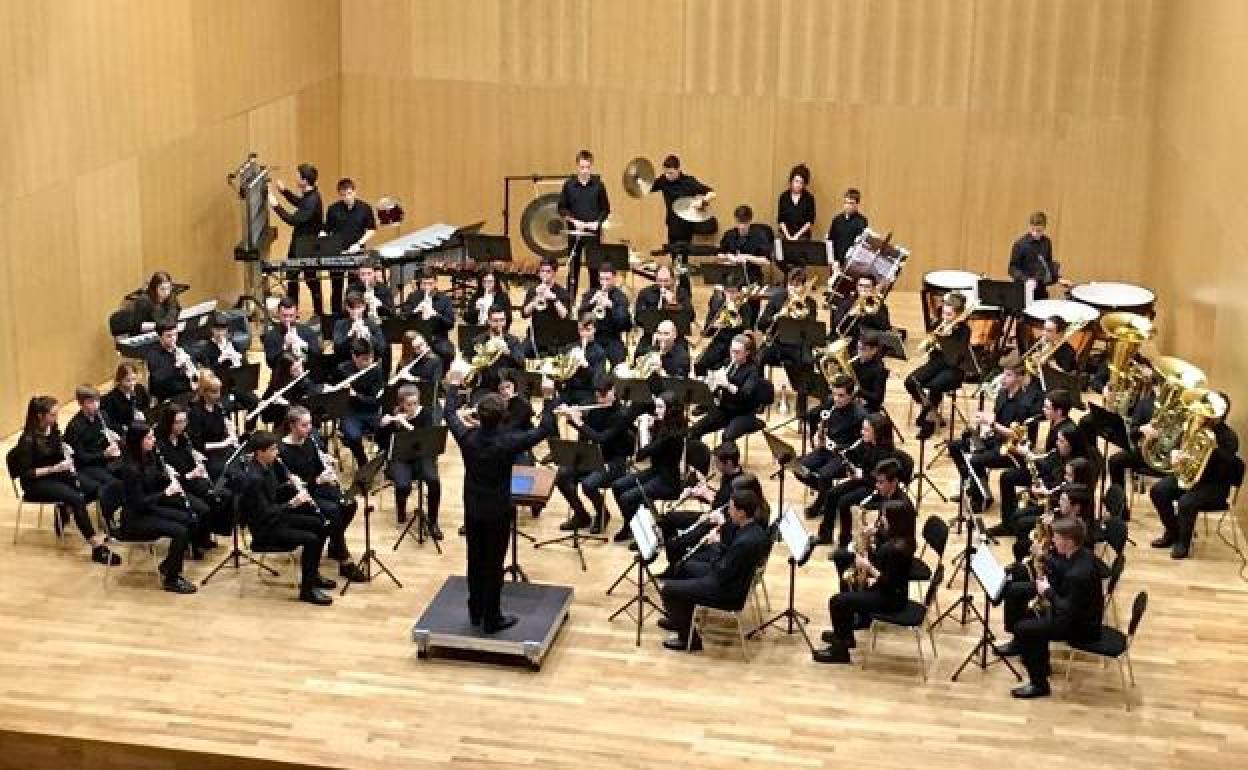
(219, 355)
(864, 310)
(666, 429)
(366, 390)
(378, 297)
(158, 305)
(417, 363)
(306, 222)
(212, 431)
(173, 443)
(1057, 405)
(288, 375)
(609, 305)
(673, 350)
(1031, 259)
(47, 474)
(95, 440)
(277, 519)
(288, 335)
(874, 450)
(664, 294)
(489, 452)
(581, 386)
(128, 400)
(156, 506)
(487, 380)
(409, 414)
(884, 581)
(795, 211)
(836, 424)
(728, 315)
(584, 207)
(610, 427)
(1178, 507)
(847, 225)
(789, 301)
(302, 457)
(746, 246)
(490, 293)
(673, 184)
(171, 370)
(546, 298)
(723, 583)
(739, 394)
(429, 304)
(677, 527)
(351, 221)
(356, 326)
(945, 367)
(869, 371)
(1075, 606)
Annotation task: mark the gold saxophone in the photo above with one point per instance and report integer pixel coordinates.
(856, 578)
(1041, 543)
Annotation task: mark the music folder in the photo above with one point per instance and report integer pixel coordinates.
(1110, 426)
(579, 456)
(643, 528)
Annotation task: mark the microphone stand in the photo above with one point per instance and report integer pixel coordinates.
(236, 554)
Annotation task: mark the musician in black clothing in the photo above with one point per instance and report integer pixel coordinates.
(378, 297)
(876, 450)
(1031, 258)
(490, 293)
(677, 527)
(727, 316)
(1073, 594)
(852, 317)
(351, 221)
(847, 225)
(128, 400)
(1057, 405)
(673, 184)
(278, 519)
(889, 476)
(1138, 429)
(795, 211)
(724, 583)
(155, 507)
(171, 370)
(666, 449)
(489, 452)
(609, 305)
(356, 326)
(545, 298)
(747, 246)
(1178, 508)
(694, 551)
(584, 206)
(1063, 356)
(47, 474)
(611, 428)
(870, 372)
(289, 378)
(288, 335)
(517, 411)
(673, 352)
(212, 431)
(838, 421)
(487, 380)
(417, 363)
(664, 294)
(95, 441)
(1073, 497)
(174, 445)
(580, 387)
(789, 301)
(219, 355)
(306, 222)
(428, 304)
(365, 404)
(158, 305)
(945, 367)
(408, 415)
(739, 396)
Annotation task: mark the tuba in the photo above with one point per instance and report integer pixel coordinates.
(835, 359)
(1203, 409)
(1126, 332)
(1169, 415)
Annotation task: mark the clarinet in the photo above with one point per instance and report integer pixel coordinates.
(173, 476)
(301, 487)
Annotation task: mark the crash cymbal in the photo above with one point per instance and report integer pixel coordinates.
(543, 229)
(687, 209)
(638, 177)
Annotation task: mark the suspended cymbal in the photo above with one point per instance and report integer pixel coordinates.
(687, 209)
(638, 177)
(543, 229)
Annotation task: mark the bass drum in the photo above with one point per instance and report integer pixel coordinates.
(1072, 312)
(1112, 297)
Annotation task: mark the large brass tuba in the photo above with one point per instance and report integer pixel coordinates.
(1204, 408)
(1126, 332)
(1169, 416)
(835, 359)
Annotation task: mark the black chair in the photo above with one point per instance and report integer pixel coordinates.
(935, 537)
(1115, 575)
(1237, 481)
(1114, 534)
(1114, 645)
(10, 461)
(112, 500)
(912, 616)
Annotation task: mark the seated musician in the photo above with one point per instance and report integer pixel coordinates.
(789, 301)
(490, 292)
(1063, 358)
(356, 326)
(429, 304)
(677, 523)
(218, 354)
(609, 305)
(882, 584)
(288, 335)
(546, 299)
(666, 429)
(847, 225)
(692, 550)
(1139, 415)
(945, 367)
(739, 395)
(875, 450)
(795, 210)
(833, 434)
(378, 297)
(1056, 410)
(664, 294)
(487, 380)
(610, 427)
(128, 399)
(47, 475)
(1071, 589)
(1018, 403)
(518, 413)
(889, 476)
(174, 445)
(211, 428)
(1178, 507)
(723, 583)
(417, 362)
(302, 457)
(580, 387)
(289, 385)
(673, 350)
(170, 368)
(278, 519)
(727, 315)
(1072, 497)
(1072, 443)
(158, 305)
(746, 246)
(410, 414)
(366, 390)
(155, 506)
(95, 440)
(853, 314)
(869, 371)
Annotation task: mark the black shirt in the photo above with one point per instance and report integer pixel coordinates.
(443, 318)
(275, 341)
(795, 215)
(746, 400)
(617, 321)
(34, 452)
(1033, 258)
(611, 430)
(1018, 408)
(1076, 597)
(147, 311)
(343, 336)
(305, 221)
(303, 460)
(144, 487)
(179, 453)
(383, 294)
(121, 408)
(665, 450)
(872, 379)
(754, 243)
(843, 231)
(206, 425)
(349, 224)
(366, 390)
(261, 505)
(586, 202)
(684, 186)
(88, 439)
(167, 378)
(843, 426)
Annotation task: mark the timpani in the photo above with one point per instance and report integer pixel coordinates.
(1071, 312)
(1113, 297)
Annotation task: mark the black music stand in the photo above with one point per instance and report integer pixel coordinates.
(550, 333)
(236, 554)
(785, 457)
(1110, 428)
(632, 391)
(528, 384)
(240, 378)
(1011, 297)
(465, 335)
(487, 248)
(801, 546)
(802, 254)
(714, 274)
(643, 529)
(363, 485)
(411, 446)
(597, 253)
(810, 382)
(991, 579)
(688, 391)
(809, 333)
(328, 407)
(974, 524)
(581, 457)
(319, 246)
(1052, 378)
(650, 318)
(394, 327)
(322, 367)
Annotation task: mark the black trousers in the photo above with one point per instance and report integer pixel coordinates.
(825, 466)
(313, 282)
(682, 594)
(338, 514)
(642, 488)
(444, 348)
(159, 522)
(1010, 482)
(592, 483)
(61, 489)
(405, 473)
(1178, 508)
(577, 254)
(846, 607)
(733, 426)
(92, 479)
(670, 526)
(355, 427)
(487, 549)
(838, 508)
(936, 378)
(1033, 636)
(297, 530)
(1125, 460)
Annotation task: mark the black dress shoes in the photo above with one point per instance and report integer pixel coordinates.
(101, 555)
(315, 596)
(623, 536)
(501, 623)
(833, 653)
(1166, 540)
(667, 624)
(1008, 650)
(352, 572)
(435, 531)
(1180, 550)
(324, 582)
(676, 644)
(1031, 690)
(829, 637)
(179, 585)
(575, 522)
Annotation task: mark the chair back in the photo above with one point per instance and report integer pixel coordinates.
(1237, 476)
(1115, 572)
(907, 466)
(936, 534)
(938, 577)
(698, 456)
(1114, 530)
(10, 463)
(1137, 612)
(1115, 501)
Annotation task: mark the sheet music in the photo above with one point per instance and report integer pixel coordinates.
(794, 533)
(989, 573)
(643, 529)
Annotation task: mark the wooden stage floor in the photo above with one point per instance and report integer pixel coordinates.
(243, 670)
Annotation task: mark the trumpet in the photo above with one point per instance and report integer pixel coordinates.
(602, 303)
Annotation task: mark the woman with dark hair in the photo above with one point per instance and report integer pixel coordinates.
(795, 212)
(173, 441)
(862, 458)
(128, 400)
(155, 506)
(665, 426)
(489, 294)
(158, 305)
(46, 472)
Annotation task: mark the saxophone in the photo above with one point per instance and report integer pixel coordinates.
(855, 577)
(1041, 543)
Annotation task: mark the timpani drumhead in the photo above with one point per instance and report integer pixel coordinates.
(1065, 309)
(1110, 296)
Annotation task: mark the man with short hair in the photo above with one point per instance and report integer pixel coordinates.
(673, 183)
(847, 225)
(584, 206)
(305, 221)
(610, 307)
(351, 221)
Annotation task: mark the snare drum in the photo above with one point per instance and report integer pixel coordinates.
(1111, 297)
(938, 283)
(1072, 312)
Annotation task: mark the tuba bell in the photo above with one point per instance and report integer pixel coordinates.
(1203, 409)
(1169, 415)
(1126, 333)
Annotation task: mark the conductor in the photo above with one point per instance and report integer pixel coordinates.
(489, 450)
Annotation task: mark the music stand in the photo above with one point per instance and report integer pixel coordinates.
(597, 253)
(631, 391)
(785, 458)
(688, 391)
(528, 384)
(892, 346)
(322, 367)
(394, 327)
(318, 246)
(363, 485)
(810, 253)
(240, 378)
(581, 457)
(991, 578)
(551, 333)
(487, 248)
(1110, 428)
(801, 546)
(650, 318)
(412, 446)
(643, 528)
(236, 554)
(974, 525)
(714, 274)
(809, 333)
(1011, 297)
(1052, 378)
(465, 335)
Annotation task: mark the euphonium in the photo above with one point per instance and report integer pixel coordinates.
(1169, 415)
(835, 359)
(1204, 409)
(643, 367)
(1126, 332)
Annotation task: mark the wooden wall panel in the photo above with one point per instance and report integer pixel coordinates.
(637, 47)
(11, 403)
